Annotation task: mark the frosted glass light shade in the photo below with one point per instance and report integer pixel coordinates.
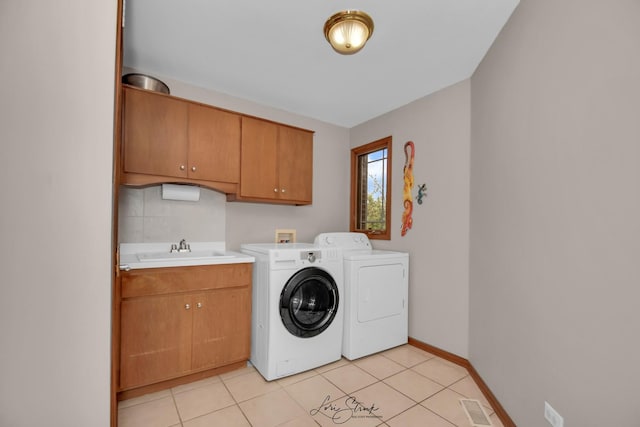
(348, 31)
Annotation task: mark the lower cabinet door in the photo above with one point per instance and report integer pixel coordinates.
(221, 327)
(155, 339)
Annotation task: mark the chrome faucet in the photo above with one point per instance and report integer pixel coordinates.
(183, 246)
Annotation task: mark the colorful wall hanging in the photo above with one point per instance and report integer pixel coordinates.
(407, 220)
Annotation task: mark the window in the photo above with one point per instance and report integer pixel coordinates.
(371, 189)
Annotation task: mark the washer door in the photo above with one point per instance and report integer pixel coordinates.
(309, 302)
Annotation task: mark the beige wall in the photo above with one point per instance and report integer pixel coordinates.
(56, 132)
(555, 213)
(438, 243)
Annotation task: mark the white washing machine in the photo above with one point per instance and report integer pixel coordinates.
(376, 291)
(297, 312)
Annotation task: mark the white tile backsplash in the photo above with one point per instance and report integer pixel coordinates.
(130, 229)
(145, 218)
(131, 202)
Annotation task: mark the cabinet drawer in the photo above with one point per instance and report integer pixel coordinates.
(158, 281)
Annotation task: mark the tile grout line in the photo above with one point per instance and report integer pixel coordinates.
(378, 380)
(175, 405)
(224, 384)
(445, 387)
(297, 403)
(416, 403)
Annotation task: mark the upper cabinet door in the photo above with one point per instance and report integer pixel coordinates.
(295, 164)
(154, 134)
(277, 163)
(214, 144)
(259, 159)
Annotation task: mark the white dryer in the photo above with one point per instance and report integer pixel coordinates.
(376, 290)
(297, 312)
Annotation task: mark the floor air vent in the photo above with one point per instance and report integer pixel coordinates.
(475, 412)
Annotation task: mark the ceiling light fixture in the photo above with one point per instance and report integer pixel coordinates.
(348, 31)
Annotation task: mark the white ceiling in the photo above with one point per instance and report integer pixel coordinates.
(274, 52)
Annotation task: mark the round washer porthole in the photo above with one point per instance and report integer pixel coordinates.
(309, 302)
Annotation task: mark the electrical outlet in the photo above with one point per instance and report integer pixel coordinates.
(552, 416)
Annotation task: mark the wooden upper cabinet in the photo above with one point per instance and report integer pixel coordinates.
(168, 137)
(154, 134)
(259, 159)
(276, 163)
(214, 144)
(295, 164)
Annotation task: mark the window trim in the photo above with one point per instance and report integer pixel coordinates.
(355, 153)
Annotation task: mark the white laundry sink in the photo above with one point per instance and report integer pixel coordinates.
(158, 255)
(181, 256)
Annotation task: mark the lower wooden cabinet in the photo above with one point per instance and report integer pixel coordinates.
(179, 321)
(221, 328)
(155, 339)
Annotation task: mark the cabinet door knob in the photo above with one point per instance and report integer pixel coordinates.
(193, 168)
(275, 190)
(199, 305)
(283, 190)
(187, 306)
(181, 167)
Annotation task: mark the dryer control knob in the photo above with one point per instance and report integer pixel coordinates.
(311, 257)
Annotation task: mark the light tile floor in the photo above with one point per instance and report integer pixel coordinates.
(401, 387)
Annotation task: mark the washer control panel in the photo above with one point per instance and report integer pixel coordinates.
(346, 241)
(311, 256)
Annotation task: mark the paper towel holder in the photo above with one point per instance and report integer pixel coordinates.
(181, 192)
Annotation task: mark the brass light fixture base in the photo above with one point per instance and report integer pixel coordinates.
(348, 31)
